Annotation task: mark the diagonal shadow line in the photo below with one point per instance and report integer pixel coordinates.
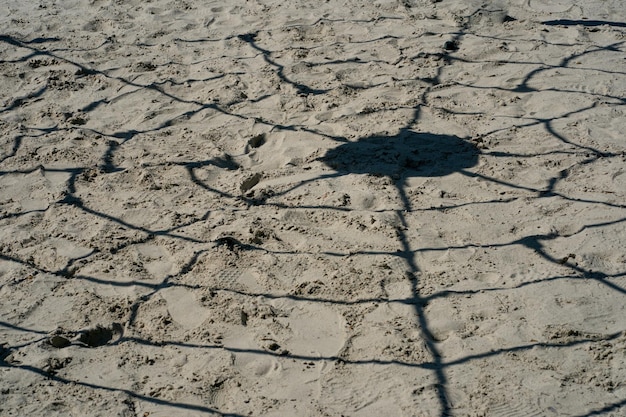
(604, 410)
(542, 66)
(498, 181)
(535, 243)
(548, 125)
(514, 242)
(78, 203)
(532, 346)
(448, 248)
(583, 22)
(523, 85)
(65, 273)
(581, 200)
(20, 101)
(23, 213)
(20, 328)
(34, 52)
(130, 393)
(305, 182)
(440, 207)
(432, 365)
(539, 192)
(406, 301)
(6, 350)
(535, 123)
(155, 87)
(34, 40)
(186, 406)
(500, 154)
(71, 171)
(425, 300)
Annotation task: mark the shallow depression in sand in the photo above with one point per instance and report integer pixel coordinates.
(317, 331)
(183, 307)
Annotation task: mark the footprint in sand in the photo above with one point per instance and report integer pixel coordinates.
(183, 307)
(235, 278)
(156, 259)
(317, 331)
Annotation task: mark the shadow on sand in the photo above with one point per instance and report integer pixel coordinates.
(407, 154)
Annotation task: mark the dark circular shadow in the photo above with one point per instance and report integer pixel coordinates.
(408, 154)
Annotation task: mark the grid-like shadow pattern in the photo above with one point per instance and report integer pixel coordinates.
(202, 199)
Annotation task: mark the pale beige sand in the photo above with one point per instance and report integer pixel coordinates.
(309, 208)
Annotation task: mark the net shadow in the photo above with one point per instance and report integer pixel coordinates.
(205, 244)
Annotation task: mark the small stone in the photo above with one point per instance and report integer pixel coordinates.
(451, 46)
(250, 182)
(59, 341)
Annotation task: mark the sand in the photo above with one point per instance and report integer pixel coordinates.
(295, 208)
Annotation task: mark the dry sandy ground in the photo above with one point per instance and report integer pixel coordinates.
(312, 208)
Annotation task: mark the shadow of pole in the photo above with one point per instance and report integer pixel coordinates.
(405, 155)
